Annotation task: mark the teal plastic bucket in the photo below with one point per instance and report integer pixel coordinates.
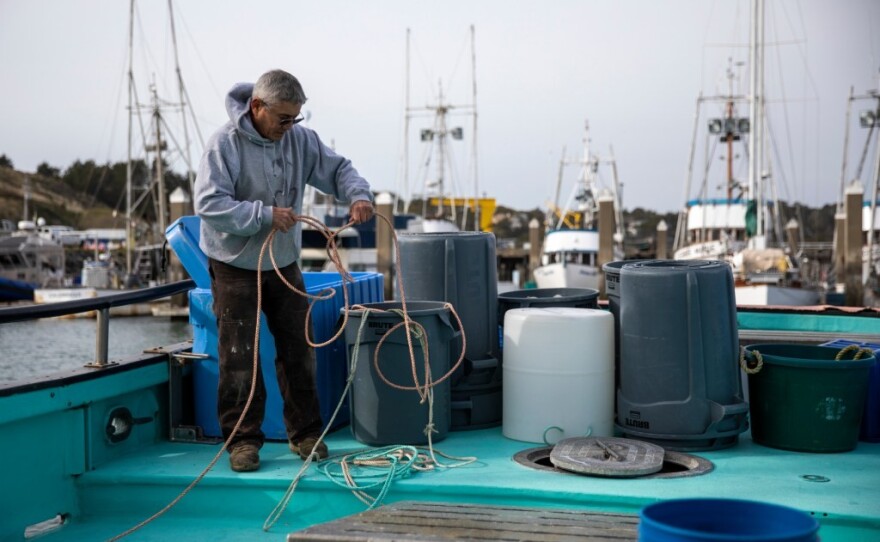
(727, 520)
(803, 399)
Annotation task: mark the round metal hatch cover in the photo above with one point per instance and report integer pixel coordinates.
(607, 456)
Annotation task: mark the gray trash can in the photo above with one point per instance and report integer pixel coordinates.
(383, 415)
(680, 385)
(460, 267)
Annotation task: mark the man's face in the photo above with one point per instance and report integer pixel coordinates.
(272, 120)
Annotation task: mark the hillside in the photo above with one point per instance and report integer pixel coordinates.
(54, 200)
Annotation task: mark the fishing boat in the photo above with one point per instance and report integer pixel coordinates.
(744, 226)
(28, 261)
(98, 452)
(570, 252)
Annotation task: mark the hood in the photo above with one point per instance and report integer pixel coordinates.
(238, 107)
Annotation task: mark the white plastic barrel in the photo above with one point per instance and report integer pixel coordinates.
(558, 373)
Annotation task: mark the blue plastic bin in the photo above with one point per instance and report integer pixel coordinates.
(870, 428)
(332, 366)
(725, 520)
(183, 237)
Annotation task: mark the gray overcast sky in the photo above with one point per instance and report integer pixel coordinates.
(633, 68)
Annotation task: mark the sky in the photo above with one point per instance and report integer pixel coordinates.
(632, 68)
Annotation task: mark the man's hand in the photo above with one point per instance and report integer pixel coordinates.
(361, 211)
(282, 218)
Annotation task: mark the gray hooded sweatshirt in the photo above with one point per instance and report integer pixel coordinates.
(242, 175)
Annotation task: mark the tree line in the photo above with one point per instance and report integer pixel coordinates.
(105, 184)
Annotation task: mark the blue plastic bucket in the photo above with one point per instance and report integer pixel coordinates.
(728, 520)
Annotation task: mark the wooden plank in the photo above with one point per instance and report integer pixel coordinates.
(437, 521)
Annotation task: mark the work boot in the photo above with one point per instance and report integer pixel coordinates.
(306, 446)
(244, 457)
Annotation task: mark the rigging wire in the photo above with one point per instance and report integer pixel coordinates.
(461, 53)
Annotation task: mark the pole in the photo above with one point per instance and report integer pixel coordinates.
(129, 234)
(756, 113)
(478, 210)
(180, 89)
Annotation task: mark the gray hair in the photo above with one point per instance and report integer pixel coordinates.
(279, 86)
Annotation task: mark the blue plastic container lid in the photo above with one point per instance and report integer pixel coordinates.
(843, 343)
(728, 520)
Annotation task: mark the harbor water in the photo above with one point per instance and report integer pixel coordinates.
(41, 347)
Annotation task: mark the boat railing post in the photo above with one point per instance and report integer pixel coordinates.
(102, 337)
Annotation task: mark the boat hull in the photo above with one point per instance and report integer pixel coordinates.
(567, 275)
(769, 294)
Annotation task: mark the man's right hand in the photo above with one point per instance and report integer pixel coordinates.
(282, 218)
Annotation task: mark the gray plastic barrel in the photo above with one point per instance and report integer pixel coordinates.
(679, 375)
(612, 292)
(382, 415)
(460, 268)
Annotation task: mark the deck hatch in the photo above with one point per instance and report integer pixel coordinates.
(424, 521)
(607, 456)
(675, 464)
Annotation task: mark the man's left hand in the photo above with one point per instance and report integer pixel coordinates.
(361, 211)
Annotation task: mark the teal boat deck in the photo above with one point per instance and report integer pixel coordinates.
(56, 459)
(233, 506)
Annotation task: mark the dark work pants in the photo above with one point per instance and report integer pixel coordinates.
(235, 305)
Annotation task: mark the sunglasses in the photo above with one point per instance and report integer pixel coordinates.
(286, 121)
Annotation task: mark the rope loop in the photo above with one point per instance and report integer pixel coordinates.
(859, 352)
(747, 366)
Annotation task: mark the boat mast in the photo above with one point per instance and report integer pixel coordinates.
(756, 119)
(406, 132)
(478, 212)
(440, 130)
(181, 90)
(129, 235)
(588, 186)
(681, 223)
(874, 190)
(437, 135)
(729, 119)
(159, 146)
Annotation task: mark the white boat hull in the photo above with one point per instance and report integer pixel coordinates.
(768, 294)
(567, 275)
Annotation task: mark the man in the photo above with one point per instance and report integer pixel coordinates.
(251, 179)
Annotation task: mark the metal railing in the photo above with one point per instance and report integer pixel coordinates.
(101, 305)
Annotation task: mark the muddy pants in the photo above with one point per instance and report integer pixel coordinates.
(235, 305)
